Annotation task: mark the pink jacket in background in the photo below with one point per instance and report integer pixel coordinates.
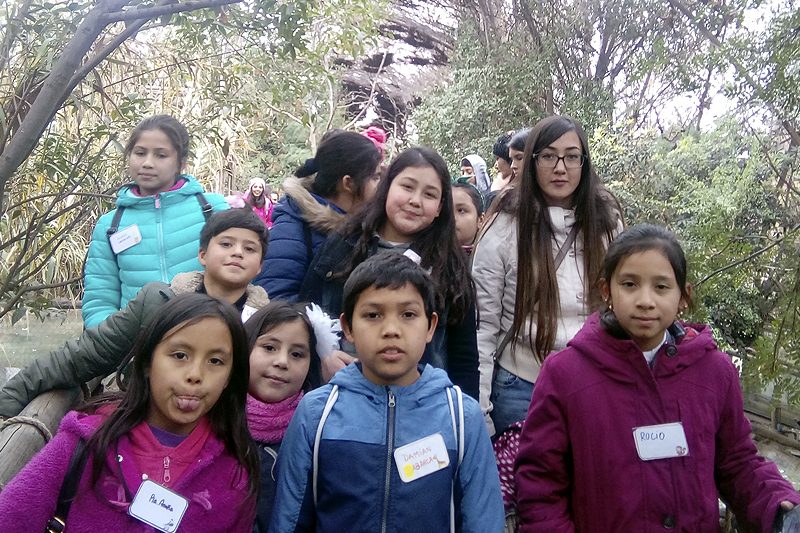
(578, 468)
(214, 484)
(264, 212)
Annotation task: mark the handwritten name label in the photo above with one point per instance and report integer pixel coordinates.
(124, 239)
(158, 506)
(421, 458)
(156, 501)
(662, 441)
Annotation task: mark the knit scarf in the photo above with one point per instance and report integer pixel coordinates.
(268, 421)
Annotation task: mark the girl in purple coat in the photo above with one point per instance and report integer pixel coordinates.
(172, 452)
(638, 424)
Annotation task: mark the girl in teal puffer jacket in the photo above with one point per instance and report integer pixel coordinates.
(154, 232)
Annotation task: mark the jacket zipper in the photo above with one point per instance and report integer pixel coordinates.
(389, 449)
(167, 476)
(162, 253)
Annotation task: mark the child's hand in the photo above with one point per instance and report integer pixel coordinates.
(787, 520)
(336, 361)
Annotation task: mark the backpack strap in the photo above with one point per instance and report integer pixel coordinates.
(457, 419)
(112, 229)
(562, 253)
(204, 205)
(68, 488)
(318, 437)
(564, 248)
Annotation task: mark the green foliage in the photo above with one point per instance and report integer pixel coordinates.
(782, 46)
(717, 191)
(254, 82)
(770, 53)
(490, 93)
(728, 192)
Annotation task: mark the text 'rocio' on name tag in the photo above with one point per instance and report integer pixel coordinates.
(662, 441)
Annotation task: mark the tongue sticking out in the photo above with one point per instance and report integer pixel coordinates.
(187, 404)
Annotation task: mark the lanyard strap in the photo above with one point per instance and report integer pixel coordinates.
(562, 253)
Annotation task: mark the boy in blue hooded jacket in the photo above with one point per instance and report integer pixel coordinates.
(388, 445)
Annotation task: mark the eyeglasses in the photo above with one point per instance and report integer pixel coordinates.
(570, 160)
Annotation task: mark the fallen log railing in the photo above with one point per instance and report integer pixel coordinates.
(22, 436)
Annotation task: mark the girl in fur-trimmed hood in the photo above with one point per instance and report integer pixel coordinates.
(342, 176)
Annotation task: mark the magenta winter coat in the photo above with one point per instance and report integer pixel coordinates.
(214, 485)
(578, 469)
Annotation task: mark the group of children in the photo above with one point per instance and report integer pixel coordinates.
(172, 450)
(636, 426)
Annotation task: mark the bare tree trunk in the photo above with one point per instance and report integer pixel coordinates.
(739, 66)
(52, 94)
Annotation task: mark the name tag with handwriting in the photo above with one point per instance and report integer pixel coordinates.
(421, 457)
(158, 506)
(125, 238)
(662, 441)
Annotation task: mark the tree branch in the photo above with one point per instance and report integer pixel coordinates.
(738, 65)
(31, 288)
(104, 52)
(148, 13)
(56, 194)
(371, 94)
(747, 257)
(11, 33)
(52, 95)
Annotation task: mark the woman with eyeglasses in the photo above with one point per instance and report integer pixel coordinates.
(535, 264)
(535, 267)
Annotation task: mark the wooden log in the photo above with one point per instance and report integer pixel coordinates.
(765, 431)
(30, 431)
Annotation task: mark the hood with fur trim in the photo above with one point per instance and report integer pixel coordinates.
(320, 214)
(191, 281)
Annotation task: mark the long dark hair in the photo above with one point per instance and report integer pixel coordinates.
(597, 214)
(436, 244)
(257, 201)
(273, 315)
(227, 417)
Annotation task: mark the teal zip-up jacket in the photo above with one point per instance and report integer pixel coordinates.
(169, 223)
(359, 487)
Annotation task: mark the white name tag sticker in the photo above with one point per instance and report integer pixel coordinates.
(414, 256)
(158, 506)
(422, 457)
(125, 238)
(663, 441)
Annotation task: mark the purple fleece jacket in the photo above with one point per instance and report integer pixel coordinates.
(215, 486)
(578, 468)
